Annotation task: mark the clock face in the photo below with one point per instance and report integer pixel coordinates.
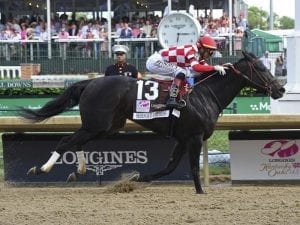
(178, 29)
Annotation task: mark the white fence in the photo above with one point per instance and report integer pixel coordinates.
(10, 72)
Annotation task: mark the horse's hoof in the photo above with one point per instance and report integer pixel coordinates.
(200, 192)
(134, 177)
(144, 179)
(72, 177)
(34, 171)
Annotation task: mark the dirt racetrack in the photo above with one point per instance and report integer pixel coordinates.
(161, 204)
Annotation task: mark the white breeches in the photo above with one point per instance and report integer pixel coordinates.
(156, 64)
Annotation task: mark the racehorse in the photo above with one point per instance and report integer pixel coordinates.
(106, 103)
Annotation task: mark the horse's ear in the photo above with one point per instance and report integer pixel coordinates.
(247, 55)
(244, 53)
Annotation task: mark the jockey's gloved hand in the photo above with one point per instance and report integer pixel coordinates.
(220, 69)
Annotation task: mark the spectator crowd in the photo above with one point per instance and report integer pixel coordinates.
(63, 27)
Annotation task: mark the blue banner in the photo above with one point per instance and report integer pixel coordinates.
(106, 159)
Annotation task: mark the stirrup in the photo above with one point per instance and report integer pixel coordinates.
(182, 103)
(172, 103)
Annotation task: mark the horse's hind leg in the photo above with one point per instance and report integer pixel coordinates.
(77, 139)
(194, 156)
(177, 154)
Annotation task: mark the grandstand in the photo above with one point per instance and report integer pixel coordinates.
(24, 32)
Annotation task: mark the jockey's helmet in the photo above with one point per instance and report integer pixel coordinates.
(207, 42)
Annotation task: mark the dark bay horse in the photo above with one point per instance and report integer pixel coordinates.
(105, 104)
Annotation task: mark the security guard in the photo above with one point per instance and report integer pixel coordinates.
(121, 67)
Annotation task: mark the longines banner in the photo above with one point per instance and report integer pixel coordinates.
(272, 156)
(106, 159)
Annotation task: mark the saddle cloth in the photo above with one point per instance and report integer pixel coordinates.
(152, 102)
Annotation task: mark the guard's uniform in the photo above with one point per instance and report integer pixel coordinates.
(123, 69)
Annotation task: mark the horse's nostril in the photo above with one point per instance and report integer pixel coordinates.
(282, 90)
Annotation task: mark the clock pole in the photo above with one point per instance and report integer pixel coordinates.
(170, 5)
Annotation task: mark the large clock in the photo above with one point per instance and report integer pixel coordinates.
(178, 29)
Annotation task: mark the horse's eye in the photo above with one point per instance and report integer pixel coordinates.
(261, 67)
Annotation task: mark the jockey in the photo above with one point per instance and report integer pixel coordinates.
(182, 61)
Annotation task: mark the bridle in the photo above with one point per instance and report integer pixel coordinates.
(266, 84)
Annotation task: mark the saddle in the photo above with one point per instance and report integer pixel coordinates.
(165, 86)
(151, 102)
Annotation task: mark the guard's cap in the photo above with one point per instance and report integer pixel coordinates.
(120, 48)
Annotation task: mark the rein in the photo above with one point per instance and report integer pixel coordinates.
(209, 89)
(204, 79)
(266, 86)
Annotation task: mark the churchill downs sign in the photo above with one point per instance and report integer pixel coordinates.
(15, 83)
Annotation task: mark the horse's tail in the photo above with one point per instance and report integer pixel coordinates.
(64, 102)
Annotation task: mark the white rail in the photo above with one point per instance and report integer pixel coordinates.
(10, 72)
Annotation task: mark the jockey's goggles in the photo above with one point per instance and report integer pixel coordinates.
(209, 51)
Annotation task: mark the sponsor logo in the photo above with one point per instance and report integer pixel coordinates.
(179, 26)
(280, 148)
(102, 161)
(143, 106)
(273, 170)
(166, 65)
(281, 156)
(260, 106)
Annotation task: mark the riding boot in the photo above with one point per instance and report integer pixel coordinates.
(174, 90)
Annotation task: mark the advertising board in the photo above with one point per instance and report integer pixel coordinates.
(268, 156)
(240, 105)
(106, 159)
(9, 106)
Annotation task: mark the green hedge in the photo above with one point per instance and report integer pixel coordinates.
(30, 91)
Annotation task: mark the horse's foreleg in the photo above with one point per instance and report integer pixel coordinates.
(78, 138)
(50, 163)
(81, 169)
(177, 154)
(46, 167)
(194, 156)
(81, 162)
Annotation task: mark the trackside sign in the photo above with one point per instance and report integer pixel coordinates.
(106, 159)
(100, 162)
(272, 156)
